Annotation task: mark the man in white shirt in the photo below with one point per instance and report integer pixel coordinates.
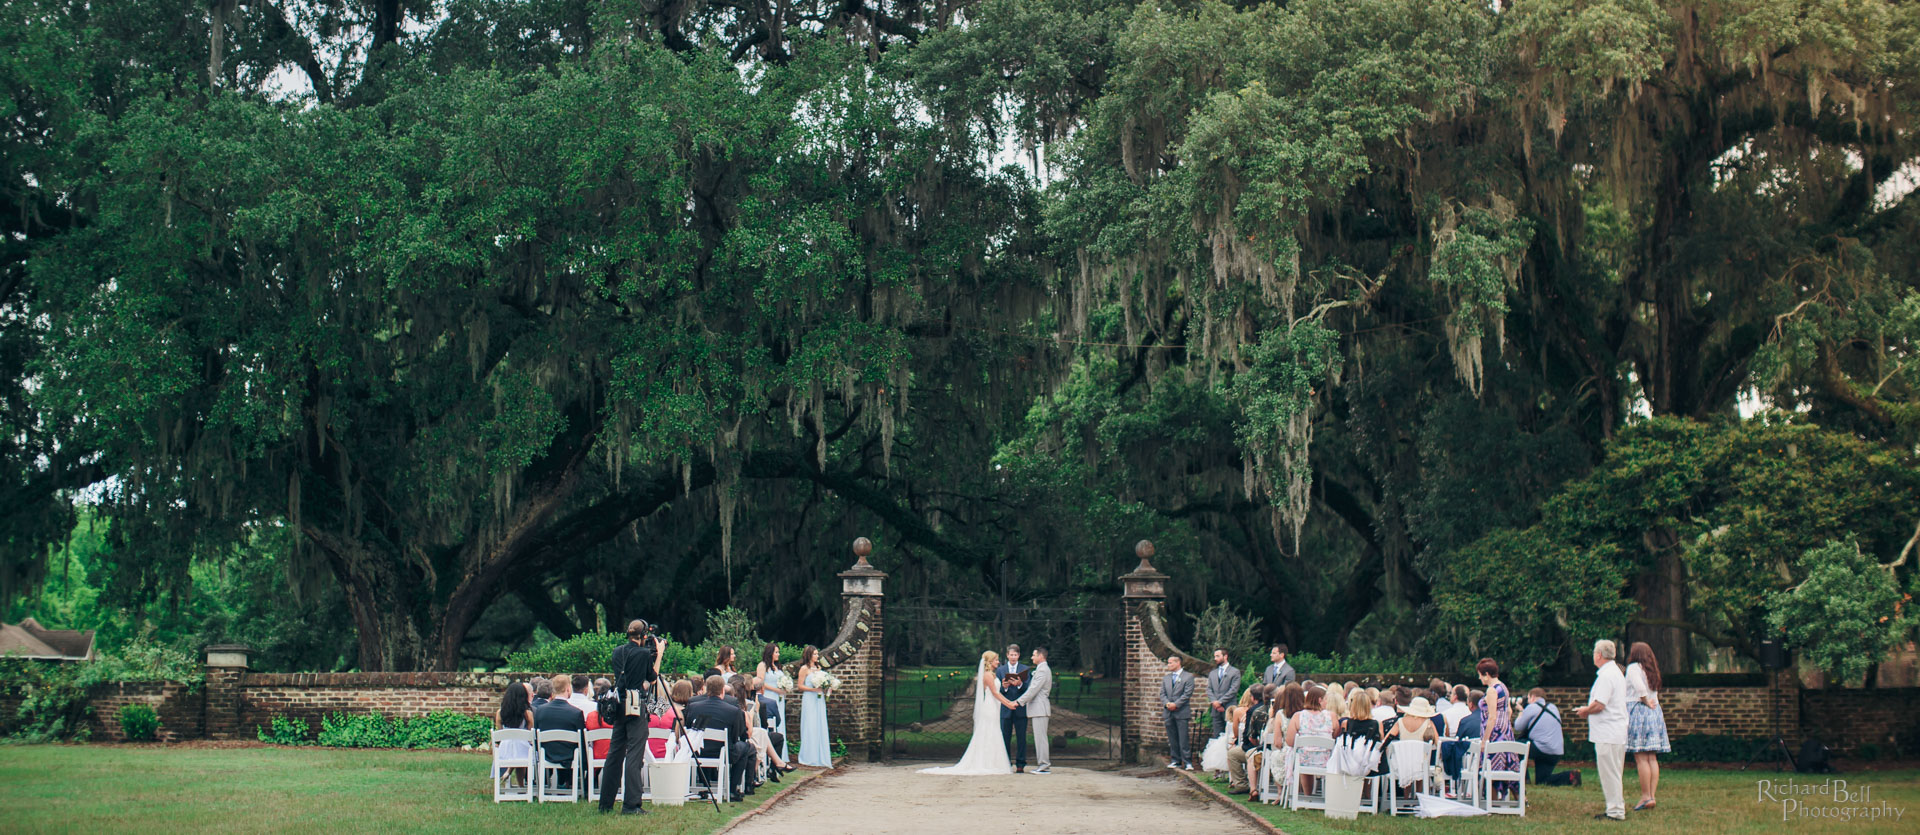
(1606, 713)
(579, 698)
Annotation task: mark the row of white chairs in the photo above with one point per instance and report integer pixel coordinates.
(544, 783)
(1280, 775)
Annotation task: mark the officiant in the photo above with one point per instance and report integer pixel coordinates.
(1013, 677)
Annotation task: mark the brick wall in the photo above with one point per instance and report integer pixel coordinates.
(1146, 668)
(309, 696)
(181, 710)
(1847, 719)
(853, 714)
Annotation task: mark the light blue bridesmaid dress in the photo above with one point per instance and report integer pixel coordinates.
(815, 747)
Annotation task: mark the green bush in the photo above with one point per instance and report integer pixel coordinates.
(54, 706)
(285, 730)
(1691, 748)
(140, 723)
(587, 653)
(439, 729)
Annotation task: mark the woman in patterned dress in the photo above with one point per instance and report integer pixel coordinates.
(1498, 725)
(1646, 725)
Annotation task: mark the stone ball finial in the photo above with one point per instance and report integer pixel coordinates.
(862, 547)
(1143, 549)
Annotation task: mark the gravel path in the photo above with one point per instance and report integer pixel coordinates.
(876, 799)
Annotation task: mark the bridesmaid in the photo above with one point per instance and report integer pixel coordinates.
(770, 664)
(815, 750)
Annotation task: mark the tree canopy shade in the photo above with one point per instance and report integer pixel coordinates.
(574, 308)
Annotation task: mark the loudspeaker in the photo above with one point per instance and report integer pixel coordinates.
(1773, 655)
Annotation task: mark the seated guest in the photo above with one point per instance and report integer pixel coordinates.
(1291, 700)
(1416, 723)
(542, 690)
(1437, 692)
(1360, 723)
(1241, 720)
(578, 695)
(595, 723)
(1383, 704)
(1312, 719)
(557, 715)
(767, 729)
(514, 713)
(713, 712)
(1336, 705)
(1539, 727)
(1455, 710)
(1454, 754)
(682, 694)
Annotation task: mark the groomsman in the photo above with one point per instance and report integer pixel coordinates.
(1279, 673)
(1223, 689)
(1176, 693)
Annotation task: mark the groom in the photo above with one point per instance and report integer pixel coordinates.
(1013, 720)
(1039, 705)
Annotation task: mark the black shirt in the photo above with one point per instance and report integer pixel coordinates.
(632, 666)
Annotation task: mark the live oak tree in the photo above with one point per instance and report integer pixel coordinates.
(563, 308)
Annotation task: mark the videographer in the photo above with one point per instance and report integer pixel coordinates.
(636, 667)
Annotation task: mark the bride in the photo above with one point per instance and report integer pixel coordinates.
(987, 752)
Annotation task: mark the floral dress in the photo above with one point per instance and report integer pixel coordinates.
(1646, 725)
(1500, 729)
(1315, 723)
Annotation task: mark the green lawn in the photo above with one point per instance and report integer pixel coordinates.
(98, 788)
(921, 694)
(1691, 802)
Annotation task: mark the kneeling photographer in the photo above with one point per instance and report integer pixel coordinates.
(636, 668)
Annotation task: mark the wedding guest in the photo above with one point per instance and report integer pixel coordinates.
(770, 664)
(767, 733)
(1453, 754)
(1455, 710)
(1348, 688)
(1336, 706)
(1279, 672)
(815, 750)
(1498, 725)
(1223, 687)
(1540, 727)
(558, 715)
(715, 712)
(1360, 723)
(1312, 719)
(1437, 692)
(1646, 725)
(578, 696)
(1291, 700)
(1416, 723)
(1235, 752)
(1176, 691)
(595, 723)
(1255, 713)
(681, 694)
(1606, 715)
(516, 713)
(542, 691)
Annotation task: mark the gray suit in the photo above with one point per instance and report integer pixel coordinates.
(1177, 689)
(1223, 687)
(1038, 701)
(1281, 674)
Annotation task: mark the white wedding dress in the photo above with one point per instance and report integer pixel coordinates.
(987, 751)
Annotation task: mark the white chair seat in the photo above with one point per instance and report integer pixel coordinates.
(547, 786)
(1516, 802)
(518, 756)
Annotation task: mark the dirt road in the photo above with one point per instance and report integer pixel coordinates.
(874, 800)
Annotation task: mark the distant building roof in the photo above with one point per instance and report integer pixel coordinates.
(28, 639)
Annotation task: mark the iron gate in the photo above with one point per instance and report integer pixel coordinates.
(931, 653)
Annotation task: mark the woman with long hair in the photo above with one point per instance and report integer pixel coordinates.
(770, 664)
(1313, 719)
(722, 664)
(1646, 725)
(815, 749)
(516, 712)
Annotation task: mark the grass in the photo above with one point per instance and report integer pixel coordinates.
(1691, 802)
(922, 694)
(164, 789)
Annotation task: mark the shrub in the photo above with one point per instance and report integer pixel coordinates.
(54, 706)
(586, 652)
(357, 730)
(446, 729)
(140, 723)
(283, 730)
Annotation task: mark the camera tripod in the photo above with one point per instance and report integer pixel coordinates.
(1776, 748)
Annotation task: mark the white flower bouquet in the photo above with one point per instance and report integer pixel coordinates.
(828, 682)
(779, 680)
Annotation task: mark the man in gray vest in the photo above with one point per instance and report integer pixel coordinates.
(1038, 700)
(1279, 673)
(1176, 693)
(1223, 686)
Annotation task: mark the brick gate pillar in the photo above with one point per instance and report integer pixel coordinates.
(855, 657)
(1141, 727)
(226, 663)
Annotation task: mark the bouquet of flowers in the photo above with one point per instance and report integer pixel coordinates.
(779, 680)
(828, 682)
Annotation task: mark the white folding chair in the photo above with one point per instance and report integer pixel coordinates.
(1407, 767)
(1316, 799)
(1268, 788)
(596, 764)
(548, 787)
(504, 765)
(1517, 803)
(722, 765)
(1466, 789)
